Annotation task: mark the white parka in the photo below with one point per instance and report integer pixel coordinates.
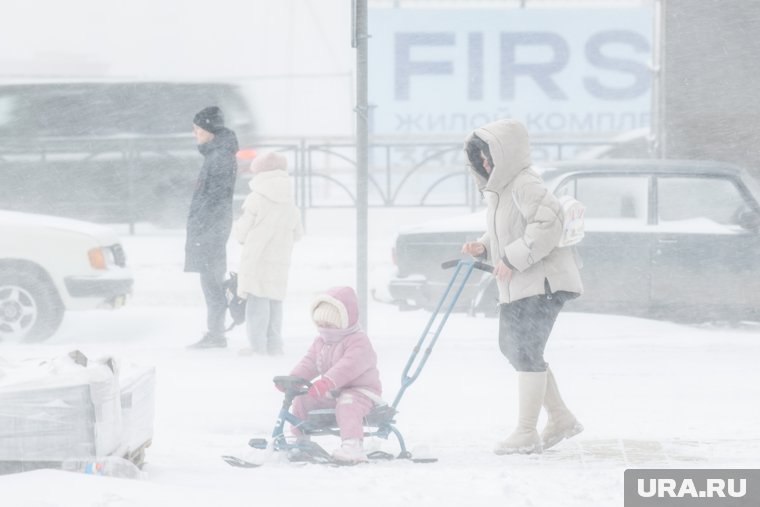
(523, 227)
(270, 224)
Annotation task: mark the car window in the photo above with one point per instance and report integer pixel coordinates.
(699, 204)
(618, 199)
(49, 111)
(106, 109)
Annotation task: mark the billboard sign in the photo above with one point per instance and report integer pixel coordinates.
(559, 70)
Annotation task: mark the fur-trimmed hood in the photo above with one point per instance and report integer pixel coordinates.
(510, 150)
(345, 300)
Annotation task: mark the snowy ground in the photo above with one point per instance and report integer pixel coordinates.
(650, 394)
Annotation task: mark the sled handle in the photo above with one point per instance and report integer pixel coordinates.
(477, 265)
(292, 385)
(444, 308)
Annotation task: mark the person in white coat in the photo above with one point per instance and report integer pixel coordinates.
(267, 229)
(534, 275)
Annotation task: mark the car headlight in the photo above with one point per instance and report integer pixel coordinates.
(101, 258)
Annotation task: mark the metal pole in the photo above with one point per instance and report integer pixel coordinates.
(658, 81)
(360, 42)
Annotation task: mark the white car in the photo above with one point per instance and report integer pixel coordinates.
(49, 265)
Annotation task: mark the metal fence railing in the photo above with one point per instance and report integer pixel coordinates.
(129, 180)
(414, 173)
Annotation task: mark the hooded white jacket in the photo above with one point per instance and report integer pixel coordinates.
(270, 224)
(523, 226)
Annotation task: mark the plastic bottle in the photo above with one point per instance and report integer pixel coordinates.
(111, 466)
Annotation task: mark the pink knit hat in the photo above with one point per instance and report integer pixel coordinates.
(269, 161)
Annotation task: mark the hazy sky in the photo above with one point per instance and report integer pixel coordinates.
(178, 38)
(198, 40)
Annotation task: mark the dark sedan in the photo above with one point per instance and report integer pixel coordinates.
(664, 238)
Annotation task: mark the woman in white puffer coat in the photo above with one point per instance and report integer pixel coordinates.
(268, 228)
(534, 275)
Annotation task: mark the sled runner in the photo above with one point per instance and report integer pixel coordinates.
(381, 421)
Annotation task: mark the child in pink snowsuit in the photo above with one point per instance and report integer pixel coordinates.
(343, 358)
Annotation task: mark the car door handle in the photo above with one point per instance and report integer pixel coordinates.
(667, 241)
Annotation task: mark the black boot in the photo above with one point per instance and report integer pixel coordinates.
(210, 341)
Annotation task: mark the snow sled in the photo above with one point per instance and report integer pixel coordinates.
(381, 421)
(378, 423)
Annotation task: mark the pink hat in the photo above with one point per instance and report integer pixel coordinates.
(269, 161)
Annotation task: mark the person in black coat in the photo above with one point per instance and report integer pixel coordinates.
(210, 219)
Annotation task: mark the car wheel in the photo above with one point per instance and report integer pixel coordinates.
(30, 309)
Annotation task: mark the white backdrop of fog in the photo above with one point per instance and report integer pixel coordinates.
(293, 56)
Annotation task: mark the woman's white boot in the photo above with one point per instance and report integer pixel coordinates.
(562, 423)
(531, 387)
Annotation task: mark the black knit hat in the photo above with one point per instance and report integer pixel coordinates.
(210, 119)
